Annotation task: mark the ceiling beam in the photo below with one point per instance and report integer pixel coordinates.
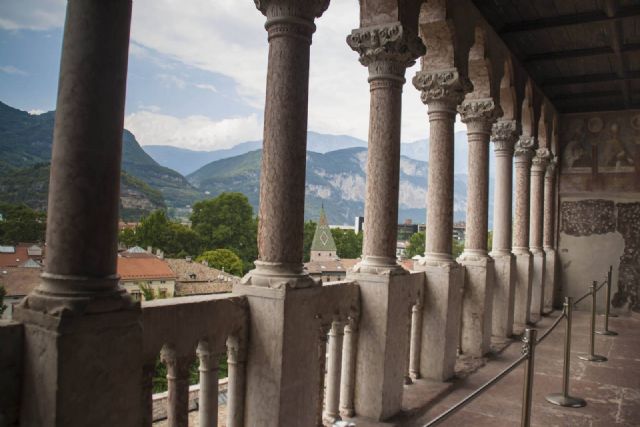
(590, 78)
(615, 30)
(585, 95)
(593, 17)
(579, 53)
(596, 108)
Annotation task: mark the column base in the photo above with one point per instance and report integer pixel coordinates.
(279, 275)
(441, 317)
(284, 354)
(503, 294)
(524, 267)
(90, 361)
(383, 341)
(549, 280)
(537, 285)
(477, 304)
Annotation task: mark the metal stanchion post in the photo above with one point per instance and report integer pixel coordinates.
(529, 346)
(592, 357)
(607, 308)
(563, 399)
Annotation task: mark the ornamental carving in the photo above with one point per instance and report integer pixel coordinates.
(386, 49)
(628, 225)
(541, 159)
(504, 135)
(551, 167)
(445, 86)
(587, 217)
(483, 110)
(524, 147)
(308, 9)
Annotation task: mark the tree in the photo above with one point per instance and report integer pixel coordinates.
(416, 245)
(309, 231)
(21, 224)
(348, 243)
(223, 259)
(227, 221)
(457, 247)
(147, 292)
(157, 231)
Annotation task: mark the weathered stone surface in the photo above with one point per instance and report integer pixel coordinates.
(383, 341)
(503, 295)
(477, 305)
(537, 284)
(521, 311)
(440, 319)
(11, 355)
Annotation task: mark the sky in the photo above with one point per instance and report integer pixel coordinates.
(197, 71)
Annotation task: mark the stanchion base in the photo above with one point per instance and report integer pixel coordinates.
(606, 333)
(592, 358)
(610, 315)
(567, 401)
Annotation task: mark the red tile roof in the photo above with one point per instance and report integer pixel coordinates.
(144, 268)
(19, 281)
(18, 257)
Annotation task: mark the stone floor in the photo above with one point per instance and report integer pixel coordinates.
(611, 389)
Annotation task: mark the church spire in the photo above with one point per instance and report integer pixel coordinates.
(323, 246)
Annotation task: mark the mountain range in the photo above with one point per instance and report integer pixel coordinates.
(336, 166)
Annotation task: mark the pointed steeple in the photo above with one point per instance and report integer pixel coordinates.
(323, 246)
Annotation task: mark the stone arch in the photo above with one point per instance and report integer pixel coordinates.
(527, 118)
(446, 47)
(378, 12)
(554, 133)
(479, 66)
(543, 127)
(508, 98)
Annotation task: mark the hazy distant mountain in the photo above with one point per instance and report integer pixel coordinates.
(25, 150)
(187, 161)
(419, 150)
(335, 179)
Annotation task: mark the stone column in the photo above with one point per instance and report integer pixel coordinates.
(416, 336)
(505, 135)
(177, 386)
(524, 260)
(479, 115)
(334, 366)
(548, 240)
(282, 373)
(386, 50)
(348, 369)
(538, 169)
(235, 386)
(78, 314)
(442, 91)
(208, 398)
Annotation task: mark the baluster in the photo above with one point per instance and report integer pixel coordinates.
(332, 412)
(416, 334)
(236, 384)
(177, 386)
(348, 371)
(208, 399)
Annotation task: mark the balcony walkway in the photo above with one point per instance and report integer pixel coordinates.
(611, 389)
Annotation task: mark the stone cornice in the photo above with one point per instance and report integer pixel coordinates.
(387, 50)
(541, 160)
(443, 88)
(479, 114)
(524, 148)
(304, 9)
(504, 136)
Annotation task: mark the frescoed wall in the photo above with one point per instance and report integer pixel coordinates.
(599, 200)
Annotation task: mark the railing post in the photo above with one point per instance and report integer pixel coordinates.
(528, 348)
(607, 308)
(592, 357)
(563, 399)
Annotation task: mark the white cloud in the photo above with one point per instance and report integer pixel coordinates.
(32, 14)
(36, 112)
(10, 69)
(193, 132)
(170, 80)
(205, 86)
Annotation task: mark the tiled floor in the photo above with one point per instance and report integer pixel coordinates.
(611, 388)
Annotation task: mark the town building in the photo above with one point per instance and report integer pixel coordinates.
(142, 271)
(17, 282)
(553, 84)
(15, 256)
(196, 278)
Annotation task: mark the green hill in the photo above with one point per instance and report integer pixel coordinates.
(25, 146)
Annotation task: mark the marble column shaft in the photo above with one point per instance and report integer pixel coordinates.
(177, 386)
(208, 398)
(386, 78)
(290, 26)
(548, 238)
(442, 91)
(524, 260)
(235, 386)
(538, 169)
(505, 135)
(479, 116)
(334, 367)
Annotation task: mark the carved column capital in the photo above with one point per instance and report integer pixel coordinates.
(524, 150)
(479, 114)
(541, 160)
(551, 167)
(305, 9)
(504, 135)
(442, 89)
(387, 50)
